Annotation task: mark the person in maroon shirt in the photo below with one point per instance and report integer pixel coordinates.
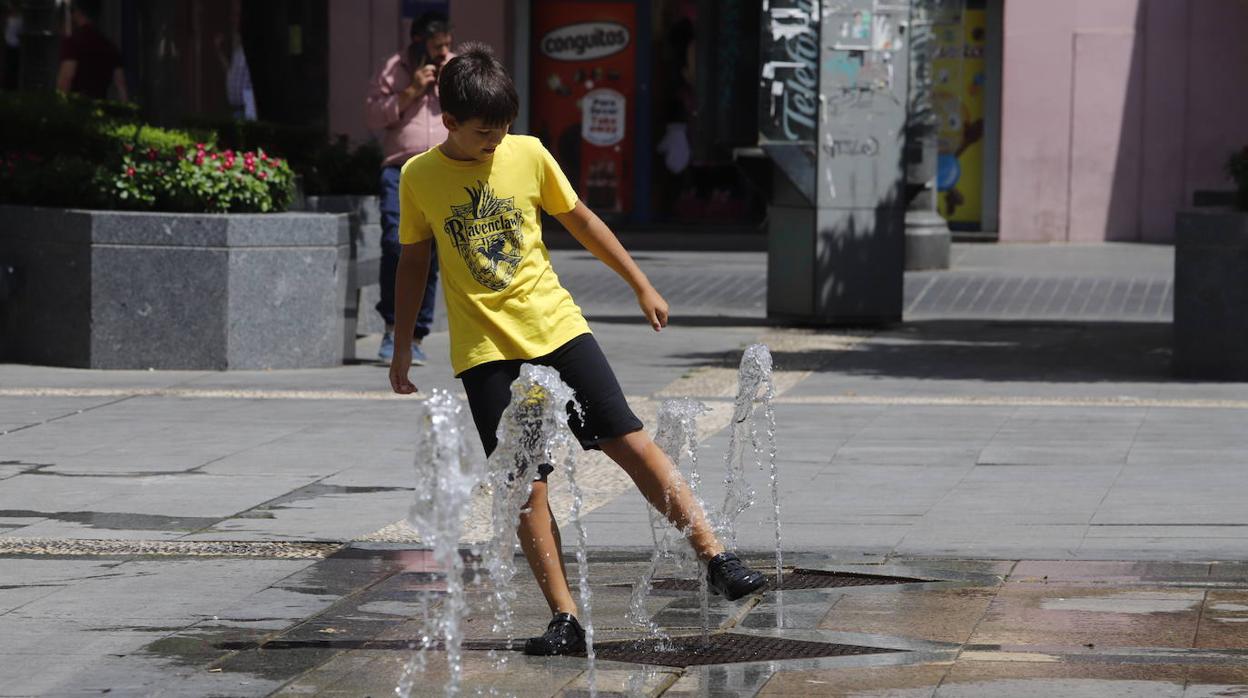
(89, 61)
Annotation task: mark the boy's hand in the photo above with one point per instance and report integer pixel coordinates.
(399, 366)
(653, 307)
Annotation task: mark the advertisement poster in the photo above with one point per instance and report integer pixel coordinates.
(583, 89)
(959, 80)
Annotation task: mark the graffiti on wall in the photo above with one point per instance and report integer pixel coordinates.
(790, 71)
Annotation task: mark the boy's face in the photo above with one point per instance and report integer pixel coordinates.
(473, 138)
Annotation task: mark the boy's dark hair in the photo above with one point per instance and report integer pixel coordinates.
(430, 23)
(475, 85)
(89, 8)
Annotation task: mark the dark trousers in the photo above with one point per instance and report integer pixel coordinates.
(390, 249)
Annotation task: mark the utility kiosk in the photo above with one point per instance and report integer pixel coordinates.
(833, 98)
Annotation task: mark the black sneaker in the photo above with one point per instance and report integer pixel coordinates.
(564, 635)
(731, 578)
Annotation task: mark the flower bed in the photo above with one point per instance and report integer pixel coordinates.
(63, 151)
(201, 180)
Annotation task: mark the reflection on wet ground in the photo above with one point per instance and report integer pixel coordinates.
(343, 625)
(116, 521)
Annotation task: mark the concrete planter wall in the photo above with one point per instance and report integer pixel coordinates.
(123, 290)
(1211, 295)
(364, 219)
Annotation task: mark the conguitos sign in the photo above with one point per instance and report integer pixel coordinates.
(585, 41)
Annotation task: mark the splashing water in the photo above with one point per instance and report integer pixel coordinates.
(533, 432)
(519, 454)
(677, 436)
(447, 472)
(754, 387)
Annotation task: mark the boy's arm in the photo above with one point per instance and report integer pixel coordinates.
(409, 292)
(595, 236)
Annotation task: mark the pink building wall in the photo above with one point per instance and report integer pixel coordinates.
(364, 33)
(1115, 111)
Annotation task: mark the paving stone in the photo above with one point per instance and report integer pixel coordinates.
(1106, 572)
(1193, 549)
(1051, 614)
(942, 615)
(1224, 620)
(914, 681)
(960, 539)
(1061, 680)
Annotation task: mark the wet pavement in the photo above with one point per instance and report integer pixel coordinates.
(342, 625)
(1078, 511)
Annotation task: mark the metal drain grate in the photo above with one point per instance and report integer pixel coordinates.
(728, 648)
(801, 579)
(163, 548)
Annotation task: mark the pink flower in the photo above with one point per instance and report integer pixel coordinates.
(199, 159)
(129, 171)
(263, 175)
(199, 146)
(128, 148)
(229, 154)
(250, 168)
(212, 156)
(151, 153)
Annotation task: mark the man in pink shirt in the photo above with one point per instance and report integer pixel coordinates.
(403, 104)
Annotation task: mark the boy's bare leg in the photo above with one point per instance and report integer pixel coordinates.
(539, 537)
(661, 484)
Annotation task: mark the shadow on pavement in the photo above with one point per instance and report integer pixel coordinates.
(1063, 352)
(687, 320)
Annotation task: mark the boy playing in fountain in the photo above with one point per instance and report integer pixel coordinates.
(479, 195)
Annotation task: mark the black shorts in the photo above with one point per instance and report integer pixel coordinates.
(582, 366)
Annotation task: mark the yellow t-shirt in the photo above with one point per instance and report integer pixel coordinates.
(503, 299)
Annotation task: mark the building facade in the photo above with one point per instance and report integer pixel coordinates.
(1060, 120)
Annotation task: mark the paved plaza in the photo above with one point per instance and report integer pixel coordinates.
(1070, 516)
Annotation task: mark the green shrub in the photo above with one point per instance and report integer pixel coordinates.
(66, 181)
(326, 166)
(337, 169)
(51, 124)
(66, 151)
(200, 179)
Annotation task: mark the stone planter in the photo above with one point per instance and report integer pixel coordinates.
(362, 291)
(124, 290)
(1211, 295)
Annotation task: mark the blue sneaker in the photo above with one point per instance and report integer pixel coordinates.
(418, 356)
(386, 351)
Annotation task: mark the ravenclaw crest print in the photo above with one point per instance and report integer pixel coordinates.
(487, 233)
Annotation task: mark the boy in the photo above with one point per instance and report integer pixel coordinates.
(478, 194)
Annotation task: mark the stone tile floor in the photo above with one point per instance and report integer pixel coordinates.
(1046, 436)
(340, 626)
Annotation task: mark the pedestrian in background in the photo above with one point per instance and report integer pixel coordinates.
(403, 103)
(89, 61)
(238, 89)
(12, 45)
